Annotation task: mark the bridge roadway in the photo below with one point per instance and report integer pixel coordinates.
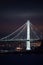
(21, 40)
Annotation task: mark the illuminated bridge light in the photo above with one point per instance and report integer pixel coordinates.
(28, 36)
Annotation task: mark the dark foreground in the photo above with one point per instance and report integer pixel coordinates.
(21, 58)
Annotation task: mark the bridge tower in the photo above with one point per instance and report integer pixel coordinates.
(28, 36)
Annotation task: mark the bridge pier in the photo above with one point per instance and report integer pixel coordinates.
(28, 36)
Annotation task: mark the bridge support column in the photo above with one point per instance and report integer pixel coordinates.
(28, 36)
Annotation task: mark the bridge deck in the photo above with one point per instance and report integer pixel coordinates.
(22, 40)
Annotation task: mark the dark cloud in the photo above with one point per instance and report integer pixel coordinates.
(17, 13)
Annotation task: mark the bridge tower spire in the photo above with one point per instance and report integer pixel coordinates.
(28, 36)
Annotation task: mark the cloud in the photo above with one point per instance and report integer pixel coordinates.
(19, 14)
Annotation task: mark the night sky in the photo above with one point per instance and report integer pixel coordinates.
(14, 14)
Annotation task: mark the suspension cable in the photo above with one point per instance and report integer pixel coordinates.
(13, 32)
(19, 33)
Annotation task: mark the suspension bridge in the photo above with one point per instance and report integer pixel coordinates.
(27, 32)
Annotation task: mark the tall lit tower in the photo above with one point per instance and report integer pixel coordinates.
(28, 36)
